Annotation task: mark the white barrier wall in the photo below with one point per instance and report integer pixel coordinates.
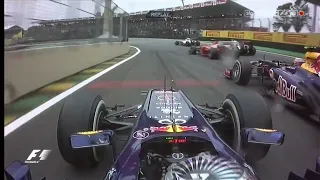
(28, 70)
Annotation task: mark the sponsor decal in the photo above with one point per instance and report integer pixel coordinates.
(262, 36)
(170, 122)
(204, 130)
(221, 1)
(174, 128)
(141, 134)
(266, 130)
(169, 110)
(178, 8)
(283, 90)
(170, 116)
(177, 155)
(208, 3)
(186, 7)
(212, 34)
(295, 38)
(89, 132)
(239, 35)
(196, 5)
(167, 97)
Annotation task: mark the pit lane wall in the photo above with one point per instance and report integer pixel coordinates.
(31, 69)
(286, 41)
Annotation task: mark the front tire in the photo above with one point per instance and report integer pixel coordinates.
(193, 50)
(176, 43)
(253, 51)
(213, 54)
(246, 114)
(78, 114)
(241, 72)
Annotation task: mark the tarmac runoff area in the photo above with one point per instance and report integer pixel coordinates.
(200, 78)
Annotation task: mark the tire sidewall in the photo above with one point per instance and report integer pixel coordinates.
(236, 64)
(256, 115)
(77, 115)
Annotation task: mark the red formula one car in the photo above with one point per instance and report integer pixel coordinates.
(217, 49)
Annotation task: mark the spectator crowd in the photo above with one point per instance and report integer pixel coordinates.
(138, 26)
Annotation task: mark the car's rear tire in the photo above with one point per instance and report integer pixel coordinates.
(241, 72)
(213, 54)
(253, 51)
(192, 50)
(188, 43)
(248, 110)
(78, 114)
(197, 43)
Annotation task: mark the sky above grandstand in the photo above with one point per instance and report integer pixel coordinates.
(23, 10)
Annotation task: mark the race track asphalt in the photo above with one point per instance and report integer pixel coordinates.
(200, 78)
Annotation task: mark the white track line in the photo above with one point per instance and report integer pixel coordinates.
(27, 117)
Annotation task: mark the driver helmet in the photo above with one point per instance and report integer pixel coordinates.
(298, 62)
(206, 166)
(311, 57)
(312, 62)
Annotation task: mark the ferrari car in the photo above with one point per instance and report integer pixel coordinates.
(298, 83)
(217, 49)
(188, 42)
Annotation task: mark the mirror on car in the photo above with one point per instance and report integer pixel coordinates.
(91, 139)
(263, 136)
(17, 170)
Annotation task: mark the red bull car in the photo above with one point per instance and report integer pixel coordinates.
(298, 83)
(162, 134)
(217, 49)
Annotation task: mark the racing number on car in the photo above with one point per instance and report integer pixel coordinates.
(283, 90)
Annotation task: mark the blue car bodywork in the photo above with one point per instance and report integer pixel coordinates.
(127, 164)
(154, 122)
(293, 83)
(297, 85)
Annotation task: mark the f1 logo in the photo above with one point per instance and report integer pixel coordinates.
(37, 153)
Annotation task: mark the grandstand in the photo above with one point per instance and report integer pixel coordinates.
(186, 20)
(98, 24)
(191, 19)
